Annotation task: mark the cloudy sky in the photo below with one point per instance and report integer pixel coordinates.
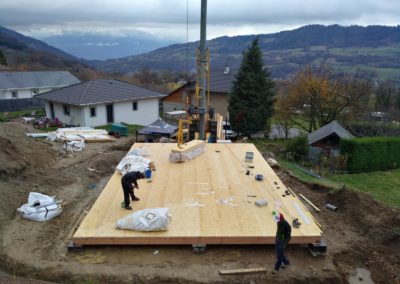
(167, 18)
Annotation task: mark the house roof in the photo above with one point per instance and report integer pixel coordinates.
(36, 79)
(99, 91)
(331, 128)
(220, 82)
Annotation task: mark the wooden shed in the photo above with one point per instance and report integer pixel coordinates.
(327, 138)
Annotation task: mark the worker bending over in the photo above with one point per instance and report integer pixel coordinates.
(129, 182)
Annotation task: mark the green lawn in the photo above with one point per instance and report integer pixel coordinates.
(4, 116)
(294, 169)
(264, 145)
(384, 186)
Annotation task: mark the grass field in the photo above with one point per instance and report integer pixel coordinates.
(383, 186)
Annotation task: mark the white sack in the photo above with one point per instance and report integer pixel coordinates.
(152, 219)
(133, 163)
(78, 145)
(40, 207)
(177, 157)
(272, 162)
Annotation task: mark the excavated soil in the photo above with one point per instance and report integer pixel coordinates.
(362, 234)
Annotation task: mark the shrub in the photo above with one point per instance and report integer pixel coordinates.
(298, 146)
(372, 153)
(373, 128)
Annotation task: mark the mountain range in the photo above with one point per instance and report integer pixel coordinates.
(103, 46)
(24, 53)
(376, 49)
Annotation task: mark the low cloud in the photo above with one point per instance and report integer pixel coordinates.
(108, 44)
(168, 18)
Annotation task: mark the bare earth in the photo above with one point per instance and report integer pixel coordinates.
(360, 236)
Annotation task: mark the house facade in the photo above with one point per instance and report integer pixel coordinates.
(26, 85)
(221, 82)
(100, 102)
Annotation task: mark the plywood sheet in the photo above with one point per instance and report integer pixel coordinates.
(216, 179)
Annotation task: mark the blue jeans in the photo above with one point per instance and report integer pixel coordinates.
(280, 255)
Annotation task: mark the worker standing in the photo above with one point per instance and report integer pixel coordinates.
(283, 235)
(129, 181)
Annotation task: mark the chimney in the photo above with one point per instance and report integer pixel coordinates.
(226, 71)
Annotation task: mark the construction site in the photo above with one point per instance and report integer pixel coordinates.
(238, 234)
(219, 198)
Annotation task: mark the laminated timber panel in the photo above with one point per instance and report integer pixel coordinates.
(217, 179)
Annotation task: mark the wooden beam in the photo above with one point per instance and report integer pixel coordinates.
(292, 192)
(242, 271)
(190, 240)
(189, 146)
(309, 202)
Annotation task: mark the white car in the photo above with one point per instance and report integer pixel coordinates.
(228, 132)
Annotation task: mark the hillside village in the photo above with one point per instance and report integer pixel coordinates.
(227, 140)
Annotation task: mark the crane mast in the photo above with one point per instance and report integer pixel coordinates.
(202, 69)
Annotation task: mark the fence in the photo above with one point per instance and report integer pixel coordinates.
(318, 161)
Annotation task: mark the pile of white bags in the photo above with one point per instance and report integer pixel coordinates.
(133, 164)
(152, 219)
(40, 207)
(72, 146)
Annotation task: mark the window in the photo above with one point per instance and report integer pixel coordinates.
(92, 112)
(134, 106)
(66, 110)
(14, 94)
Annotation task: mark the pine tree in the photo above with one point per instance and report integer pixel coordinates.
(251, 99)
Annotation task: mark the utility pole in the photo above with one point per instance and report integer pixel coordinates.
(202, 69)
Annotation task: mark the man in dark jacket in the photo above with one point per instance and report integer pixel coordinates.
(283, 235)
(127, 180)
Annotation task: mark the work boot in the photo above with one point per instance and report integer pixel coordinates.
(274, 271)
(135, 198)
(128, 208)
(284, 265)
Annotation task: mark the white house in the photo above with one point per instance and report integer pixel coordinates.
(100, 102)
(25, 85)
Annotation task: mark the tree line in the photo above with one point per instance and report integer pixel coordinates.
(310, 99)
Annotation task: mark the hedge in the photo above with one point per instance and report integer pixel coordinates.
(371, 153)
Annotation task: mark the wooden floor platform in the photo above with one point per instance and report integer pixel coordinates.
(210, 198)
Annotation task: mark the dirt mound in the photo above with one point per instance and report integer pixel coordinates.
(361, 211)
(122, 145)
(19, 152)
(363, 233)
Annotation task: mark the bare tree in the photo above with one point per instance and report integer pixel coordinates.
(317, 97)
